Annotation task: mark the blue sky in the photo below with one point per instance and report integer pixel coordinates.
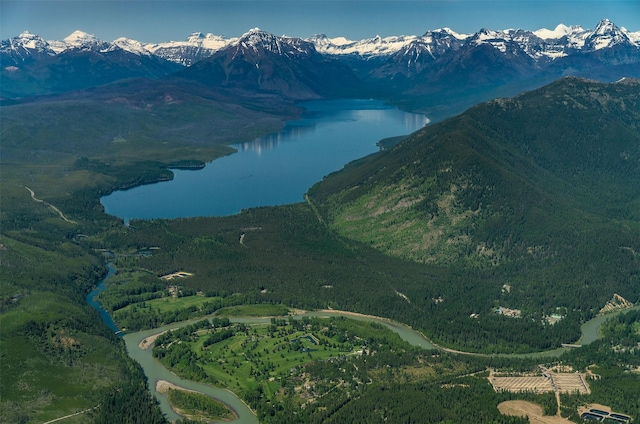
(164, 20)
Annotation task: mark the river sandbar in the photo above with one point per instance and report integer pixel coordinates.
(147, 342)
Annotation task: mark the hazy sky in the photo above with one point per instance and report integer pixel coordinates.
(164, 20)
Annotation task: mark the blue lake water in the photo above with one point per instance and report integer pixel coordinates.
(272, 170)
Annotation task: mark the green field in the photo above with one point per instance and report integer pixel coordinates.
(246, 358)
(259, 310)
(170, 304)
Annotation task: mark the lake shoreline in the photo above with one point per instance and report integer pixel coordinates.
(275, 169)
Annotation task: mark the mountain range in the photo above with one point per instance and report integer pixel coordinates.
(543, 43)
(530, 203)
(412, 71)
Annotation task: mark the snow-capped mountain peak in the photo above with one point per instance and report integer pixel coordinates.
(257, 39)
(80, 38)
(448, 31)
(606, 35)
(23, 47)
(605, 27)
(497, 39)
(256, 35)
(31, 41)
(83, 40)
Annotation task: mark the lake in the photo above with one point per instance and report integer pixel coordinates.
(272, 170)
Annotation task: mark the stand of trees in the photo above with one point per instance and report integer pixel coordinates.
(290, 258)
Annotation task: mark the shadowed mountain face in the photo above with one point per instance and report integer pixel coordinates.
(440, 73)
(537, 177)
(31, 67)
(265, 64)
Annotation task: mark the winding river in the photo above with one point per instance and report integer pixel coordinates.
(155, 371)
(271, 170)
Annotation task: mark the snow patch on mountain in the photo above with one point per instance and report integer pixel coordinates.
(633, 36)
(376, 46)
(57, 46)
(131, 46)
(606, 35)
(196, 47)
(560, 31)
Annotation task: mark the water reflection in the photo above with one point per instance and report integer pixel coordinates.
(319, 116)
(413, 120)
(290, 133)
(273, 170)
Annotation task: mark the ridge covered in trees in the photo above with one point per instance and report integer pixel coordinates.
(527, 204)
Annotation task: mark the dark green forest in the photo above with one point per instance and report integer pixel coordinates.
(292, 259)
(539, 192)
(394, 382)
(527, 204)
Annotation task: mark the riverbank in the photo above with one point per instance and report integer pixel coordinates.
(149, 341)
(138, 345)
(163, 386)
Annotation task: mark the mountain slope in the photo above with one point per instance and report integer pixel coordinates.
(35, 67)
(440, 73)
(195, 48)
(260, 62)
(490, 64)
(523, 183)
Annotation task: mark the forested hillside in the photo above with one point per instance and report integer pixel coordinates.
(527, 204)
(541, 192)
(58, 155)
